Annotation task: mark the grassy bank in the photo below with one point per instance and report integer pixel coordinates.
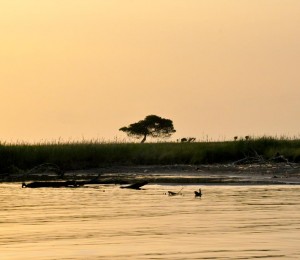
(83, 155)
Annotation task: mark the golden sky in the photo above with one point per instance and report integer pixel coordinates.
(74, 69)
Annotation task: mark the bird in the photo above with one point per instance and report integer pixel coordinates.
(171, 193)
(198, 193)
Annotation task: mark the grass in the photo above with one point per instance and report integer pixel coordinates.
(92, 154)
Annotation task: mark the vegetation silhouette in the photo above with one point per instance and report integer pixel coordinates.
(55, 160)
(152, 125)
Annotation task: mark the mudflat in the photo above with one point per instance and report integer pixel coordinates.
(278, 173)
(224, 174)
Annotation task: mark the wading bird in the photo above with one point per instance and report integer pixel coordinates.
(171, 193)
(198, 193)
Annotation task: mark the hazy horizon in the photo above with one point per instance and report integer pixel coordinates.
(77, 69)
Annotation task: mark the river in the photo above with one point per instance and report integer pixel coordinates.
(106, 222)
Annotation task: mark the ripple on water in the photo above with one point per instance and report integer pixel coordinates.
(228, 222)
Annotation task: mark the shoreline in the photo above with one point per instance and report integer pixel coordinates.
(224, 174)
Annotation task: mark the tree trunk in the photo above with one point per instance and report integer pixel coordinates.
(144, 139)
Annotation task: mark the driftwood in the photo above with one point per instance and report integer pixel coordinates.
(135, 186)
(60, 184)
(259, 159)
(75, 184)
(53, 184)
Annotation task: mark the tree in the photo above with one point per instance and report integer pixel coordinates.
(152, 125)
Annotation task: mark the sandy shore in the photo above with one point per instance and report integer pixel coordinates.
(279, 173)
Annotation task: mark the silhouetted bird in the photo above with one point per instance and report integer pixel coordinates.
(171, 193)
(198, 193)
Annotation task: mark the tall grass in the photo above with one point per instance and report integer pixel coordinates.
(91, 154)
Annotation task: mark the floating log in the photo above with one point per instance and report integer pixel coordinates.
(53, 184)
(135, 186)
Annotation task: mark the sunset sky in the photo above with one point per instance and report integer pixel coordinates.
(74, 69)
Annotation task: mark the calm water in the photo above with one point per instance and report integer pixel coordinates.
(105, 222)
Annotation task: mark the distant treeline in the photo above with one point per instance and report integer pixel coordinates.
(84, 155)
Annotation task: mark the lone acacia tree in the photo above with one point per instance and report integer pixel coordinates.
(152, 125)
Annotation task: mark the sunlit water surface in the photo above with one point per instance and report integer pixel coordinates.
(106, 222)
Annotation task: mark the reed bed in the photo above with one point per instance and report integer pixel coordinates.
(93, 154)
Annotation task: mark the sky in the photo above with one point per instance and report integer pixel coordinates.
(81, 69)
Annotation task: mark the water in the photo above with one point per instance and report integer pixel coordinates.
(105, 222)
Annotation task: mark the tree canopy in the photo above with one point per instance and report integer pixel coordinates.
(152, 125)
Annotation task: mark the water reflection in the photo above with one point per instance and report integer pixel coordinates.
(105, 222)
